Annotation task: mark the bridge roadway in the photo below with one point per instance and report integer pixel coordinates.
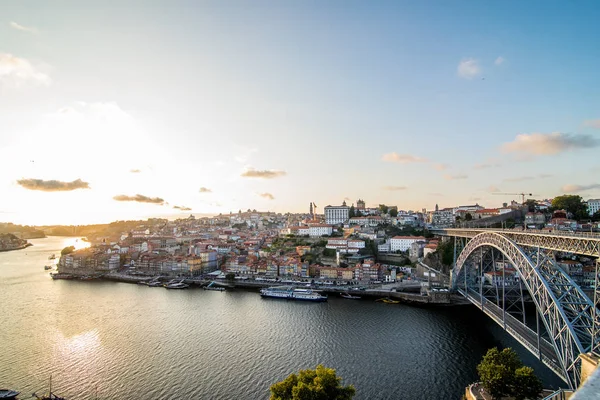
(522, 333)
(584, 243)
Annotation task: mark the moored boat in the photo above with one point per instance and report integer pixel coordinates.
(176, 285)
(290, 293)
(388, 301)
(8, 394)
(212, 286)
(349, 296)
(46, 267)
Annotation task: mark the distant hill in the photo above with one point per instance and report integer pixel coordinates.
(21, 231)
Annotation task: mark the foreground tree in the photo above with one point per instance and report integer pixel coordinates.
(503, 374)
(318, 384)
(526, 384)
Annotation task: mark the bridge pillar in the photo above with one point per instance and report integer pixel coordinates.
(589, 363)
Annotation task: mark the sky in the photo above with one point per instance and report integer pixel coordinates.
(130, 109)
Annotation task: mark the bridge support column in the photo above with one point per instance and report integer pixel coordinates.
(596, 329)
(589, 363)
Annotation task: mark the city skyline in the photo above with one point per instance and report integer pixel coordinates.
(154, 109)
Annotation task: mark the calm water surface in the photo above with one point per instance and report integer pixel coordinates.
(107, 340)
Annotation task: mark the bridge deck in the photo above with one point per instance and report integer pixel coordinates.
(572, 242)
(523, 334)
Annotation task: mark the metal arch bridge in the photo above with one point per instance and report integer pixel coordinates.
(520, 265)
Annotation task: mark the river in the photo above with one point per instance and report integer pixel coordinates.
(109, 340)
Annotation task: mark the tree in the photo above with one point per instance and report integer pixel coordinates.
(393, 213)
(531, 205)
(526, 385)
(383, 208)
(573, 204)
(318, 384)
(468, 217)
(352, 213)
(596, 216)
(503, 374)
(67, 250)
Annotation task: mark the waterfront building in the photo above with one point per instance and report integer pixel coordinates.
(335, 215)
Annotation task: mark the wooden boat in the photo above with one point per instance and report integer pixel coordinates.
(50, 395)
(387, 300)
(8, 394)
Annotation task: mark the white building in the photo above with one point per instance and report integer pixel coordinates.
(342, 245)
(335, 215)
(593, 206)
(366, 221)
(403, 243)
(318, 230)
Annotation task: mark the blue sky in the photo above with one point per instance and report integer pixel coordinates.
(405, 103)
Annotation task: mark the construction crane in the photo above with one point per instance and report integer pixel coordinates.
(517, 194)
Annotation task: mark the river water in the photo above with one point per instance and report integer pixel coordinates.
(108, 340)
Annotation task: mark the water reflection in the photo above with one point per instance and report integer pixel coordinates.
(78, 243)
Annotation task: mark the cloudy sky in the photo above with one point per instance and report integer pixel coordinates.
(117, 110)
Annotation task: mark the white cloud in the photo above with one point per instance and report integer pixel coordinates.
(468, 68)
(394, 188)
(500, 60)
(22, 28)
(592, 123)
(548, 144)
(579, 188)
(16, 71)
(402, 158)
(455, 177)
(441, 167)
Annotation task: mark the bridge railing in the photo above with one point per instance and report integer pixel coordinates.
(553, 232)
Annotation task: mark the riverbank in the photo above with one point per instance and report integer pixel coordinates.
(435, 298)
(17, 248)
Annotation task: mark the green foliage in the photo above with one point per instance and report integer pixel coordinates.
(596, 216)
(531, 205)
(318, 384)
(503, 374)
(230, 276)
(352, 212)
(468, 217)
(67, 250)
(446, 251)
(329, 252)
(526, 384)
(573, 204)
(383, 208)
(393, 213)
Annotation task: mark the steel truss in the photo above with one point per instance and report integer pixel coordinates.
(567, 314)
(584, 244)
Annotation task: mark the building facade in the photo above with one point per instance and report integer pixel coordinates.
(593, 206)
(403, 243)
(335, 215)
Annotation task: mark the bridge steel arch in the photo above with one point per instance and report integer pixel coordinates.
(566, 312)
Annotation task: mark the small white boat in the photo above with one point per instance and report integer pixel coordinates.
(177, 285)
(212, 286)
(349, 296)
